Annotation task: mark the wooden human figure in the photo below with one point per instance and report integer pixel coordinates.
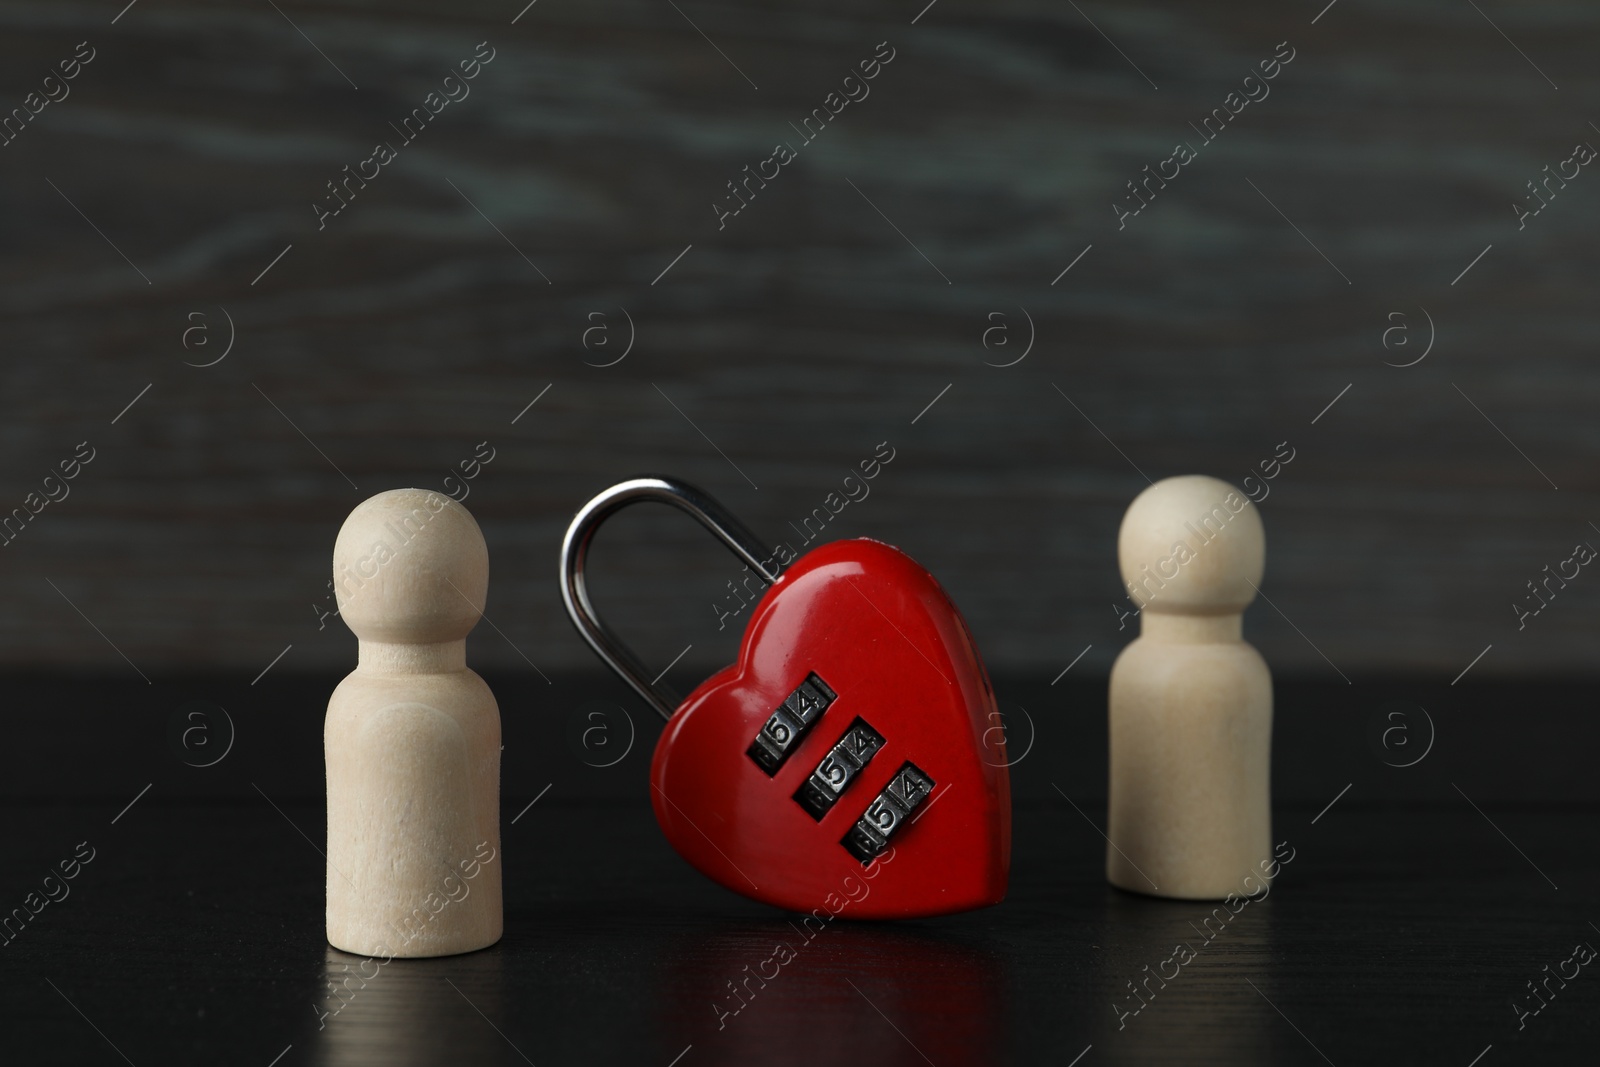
(1191, 702)
(412, 738)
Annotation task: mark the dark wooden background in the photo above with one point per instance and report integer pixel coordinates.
(809, 330)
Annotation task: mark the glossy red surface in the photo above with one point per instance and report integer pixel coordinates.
(880, 631)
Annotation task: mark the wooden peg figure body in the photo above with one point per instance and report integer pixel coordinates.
(1191, 702)
(412, 737)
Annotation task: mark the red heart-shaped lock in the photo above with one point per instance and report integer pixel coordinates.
(858, 698)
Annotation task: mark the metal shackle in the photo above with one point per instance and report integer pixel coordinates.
(575, 550)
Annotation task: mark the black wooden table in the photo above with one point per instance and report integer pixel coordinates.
(1402, 931)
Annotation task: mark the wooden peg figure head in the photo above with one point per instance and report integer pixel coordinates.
(1192, 545)
(410, 567)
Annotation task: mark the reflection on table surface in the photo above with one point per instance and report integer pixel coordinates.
(410, 1012)
(802, 991)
